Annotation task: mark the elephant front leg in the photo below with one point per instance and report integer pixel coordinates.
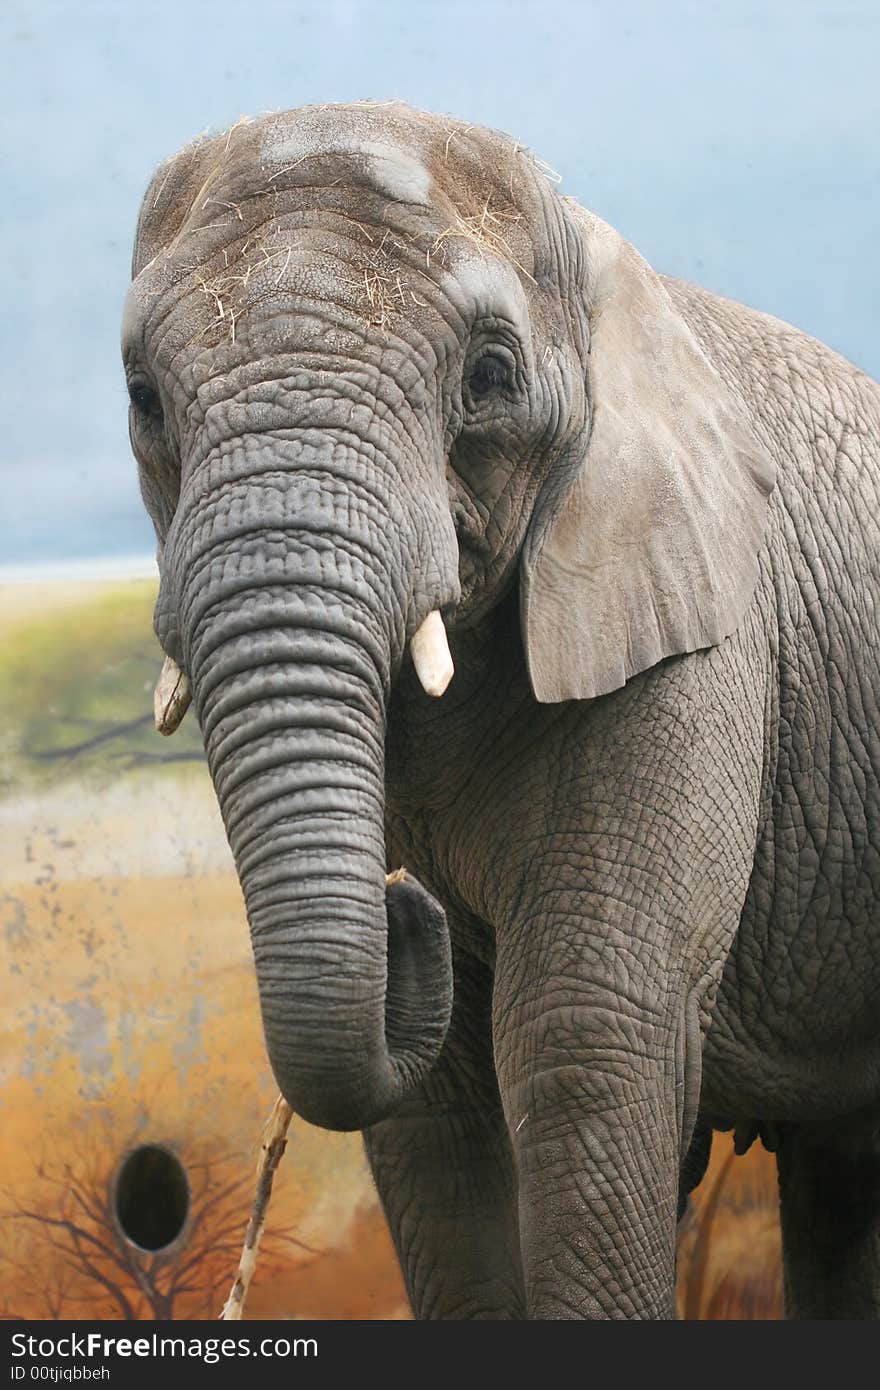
(830, 1209)
(443, 1168)
(587, 1070)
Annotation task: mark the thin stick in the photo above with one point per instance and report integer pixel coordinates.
(272, 1145)
(273, 1142)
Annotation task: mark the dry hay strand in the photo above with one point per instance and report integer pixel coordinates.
(224, 312)
(374, 287)
(242, 121)
(550, 174)
(482, 230)
(454, 134)
(384, 292)
(224, 291)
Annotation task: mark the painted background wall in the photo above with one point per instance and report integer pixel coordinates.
(129, 1022)
(734, 143)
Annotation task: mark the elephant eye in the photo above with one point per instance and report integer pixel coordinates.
(489, 373)
(144, 399)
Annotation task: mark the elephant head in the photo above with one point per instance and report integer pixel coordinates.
(380, 372)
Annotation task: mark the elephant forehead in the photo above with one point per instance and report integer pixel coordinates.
(397, 173)
(481, 279)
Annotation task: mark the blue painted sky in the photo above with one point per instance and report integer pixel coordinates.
(735, 143)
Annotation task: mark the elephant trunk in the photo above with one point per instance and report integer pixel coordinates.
(289, 641)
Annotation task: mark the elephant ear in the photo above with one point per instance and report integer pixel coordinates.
(648, 548)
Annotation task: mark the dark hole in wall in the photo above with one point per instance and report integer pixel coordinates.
(152, 1197)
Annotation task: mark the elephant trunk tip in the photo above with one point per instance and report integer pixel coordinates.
(389, 1057)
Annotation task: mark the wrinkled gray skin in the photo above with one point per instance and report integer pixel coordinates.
(378, 367)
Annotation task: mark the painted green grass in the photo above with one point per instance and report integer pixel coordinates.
(76, 693)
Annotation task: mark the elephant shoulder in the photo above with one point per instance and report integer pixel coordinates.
(803, 397)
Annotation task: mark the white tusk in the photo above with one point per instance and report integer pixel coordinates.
(172, 697)
(430, 654)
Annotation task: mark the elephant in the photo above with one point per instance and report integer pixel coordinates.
(527, 601)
